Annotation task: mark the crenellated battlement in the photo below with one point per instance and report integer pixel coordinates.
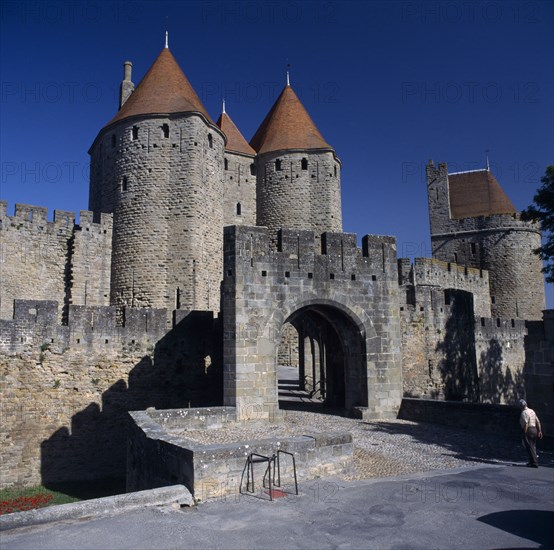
(430, 271)
(497, 327)
(298, 254)
(32, 216)
(35, 325)
(427, 278)
(59, 260)
(86, 221)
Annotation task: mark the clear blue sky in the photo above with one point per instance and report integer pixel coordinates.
(389, 84)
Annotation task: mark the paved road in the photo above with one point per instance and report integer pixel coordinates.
(484, 507)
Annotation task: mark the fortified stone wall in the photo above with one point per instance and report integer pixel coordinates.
(240, 190)
(428, 289)
(53, 260)
(429, 272)
(539, 369)
(299, 190)
(264, 286)
(90, 259)
(162, 177)
(502, 244)
(65, 390)
(500, 353)
(451, 348)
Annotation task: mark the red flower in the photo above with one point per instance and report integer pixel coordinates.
(20, 504)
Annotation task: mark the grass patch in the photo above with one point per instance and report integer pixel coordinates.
(15, 499)
(18, 499)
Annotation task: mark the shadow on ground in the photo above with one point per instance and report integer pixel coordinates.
(535, 525)
(485, 448)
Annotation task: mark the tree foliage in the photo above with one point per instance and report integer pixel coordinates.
(542, 211)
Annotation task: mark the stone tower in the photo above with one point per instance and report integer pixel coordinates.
(298, 172)
(474, 223)
(239, 169)
(158, 167)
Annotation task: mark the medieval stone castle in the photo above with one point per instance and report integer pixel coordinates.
(204, 261)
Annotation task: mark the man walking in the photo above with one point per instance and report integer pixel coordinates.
(531, 427)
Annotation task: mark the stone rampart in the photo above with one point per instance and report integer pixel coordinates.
(451, 347)
(54, 260)
(35, 323)
(65, 389)
(430, 272)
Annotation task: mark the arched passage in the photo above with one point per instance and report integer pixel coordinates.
(329, 362)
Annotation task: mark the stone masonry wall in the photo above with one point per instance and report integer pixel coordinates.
(90, 261)
(239, 207)
(356, 289)
(288, 347)
(451, 348)
(500, 354)
(539, 369)
(65, 389)
(53, 260)
(298, 198)
(162, 177)
(429, 272)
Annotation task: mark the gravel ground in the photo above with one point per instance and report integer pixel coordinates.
(385, 448)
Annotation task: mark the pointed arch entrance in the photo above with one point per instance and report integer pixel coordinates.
(326, 359)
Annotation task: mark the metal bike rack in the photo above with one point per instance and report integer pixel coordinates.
(277, 457)
(252, 459)
(269, 477)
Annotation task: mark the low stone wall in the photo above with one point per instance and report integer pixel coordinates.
(156, 457)
(475, 416)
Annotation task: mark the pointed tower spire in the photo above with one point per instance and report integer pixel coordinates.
(288, 74)
(288, 126)
(166, 39)
(223, 109)
(487, 160)
(164, 89)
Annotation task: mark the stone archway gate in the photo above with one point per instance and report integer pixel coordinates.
(268, 277)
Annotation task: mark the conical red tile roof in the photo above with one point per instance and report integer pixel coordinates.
(235, 140)
(477, 193)
(287, 126)
(164, 89)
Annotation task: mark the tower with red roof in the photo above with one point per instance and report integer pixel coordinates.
(298, 180)
(157, 166)
(474, 223)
